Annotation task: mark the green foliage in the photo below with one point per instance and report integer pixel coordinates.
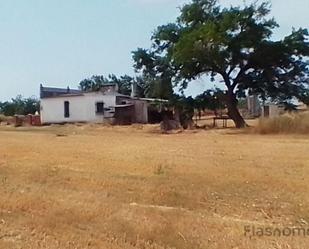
(305, 98)
(213, 99)
(242, 103)
(95, 83)
(235, 44)
(144, 85)
(20, 106)
(184, 107)
(124, 83)
(156, 71)
(288, 106)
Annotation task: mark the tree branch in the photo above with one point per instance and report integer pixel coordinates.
(230, 71)
(226, 79)
(239, 75)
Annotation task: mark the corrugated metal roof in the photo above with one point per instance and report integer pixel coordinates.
(125, 105)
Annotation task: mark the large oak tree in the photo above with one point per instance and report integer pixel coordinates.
(233, 45)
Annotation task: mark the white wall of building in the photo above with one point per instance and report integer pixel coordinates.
(273, 111)
(141, 111)
(82, 108)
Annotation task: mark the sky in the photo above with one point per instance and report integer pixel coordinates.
(59, 43)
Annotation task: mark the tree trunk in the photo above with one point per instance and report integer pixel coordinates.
(233, 111)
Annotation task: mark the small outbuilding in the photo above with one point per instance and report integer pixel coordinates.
(272, 110)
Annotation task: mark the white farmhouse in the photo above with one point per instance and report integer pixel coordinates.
(107, 105)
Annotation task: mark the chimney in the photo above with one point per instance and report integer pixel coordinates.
(116, 87)
(133, 89)
(41, 91)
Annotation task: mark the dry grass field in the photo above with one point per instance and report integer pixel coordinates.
(131, 187)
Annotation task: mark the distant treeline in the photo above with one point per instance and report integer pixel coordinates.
(20, 106)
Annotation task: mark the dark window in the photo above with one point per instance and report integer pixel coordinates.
(66, 109)
(100, 108)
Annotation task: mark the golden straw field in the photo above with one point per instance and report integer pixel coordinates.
(131, 187)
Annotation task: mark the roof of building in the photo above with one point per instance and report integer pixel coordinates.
(48, 92)
(125, 105)
(52, 92)
(152, 99)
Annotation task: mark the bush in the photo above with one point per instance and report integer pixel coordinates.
(289, 123)
(3, 118)
(20, 106)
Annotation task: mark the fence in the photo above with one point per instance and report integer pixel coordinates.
(32, 120)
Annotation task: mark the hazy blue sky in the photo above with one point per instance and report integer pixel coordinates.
(60, 42)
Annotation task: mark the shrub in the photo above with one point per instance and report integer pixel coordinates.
(3, 118)
(288, 123)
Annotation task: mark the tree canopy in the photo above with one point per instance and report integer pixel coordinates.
(20, 105)
(146, 85)
(96, 82)
(234, 46)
